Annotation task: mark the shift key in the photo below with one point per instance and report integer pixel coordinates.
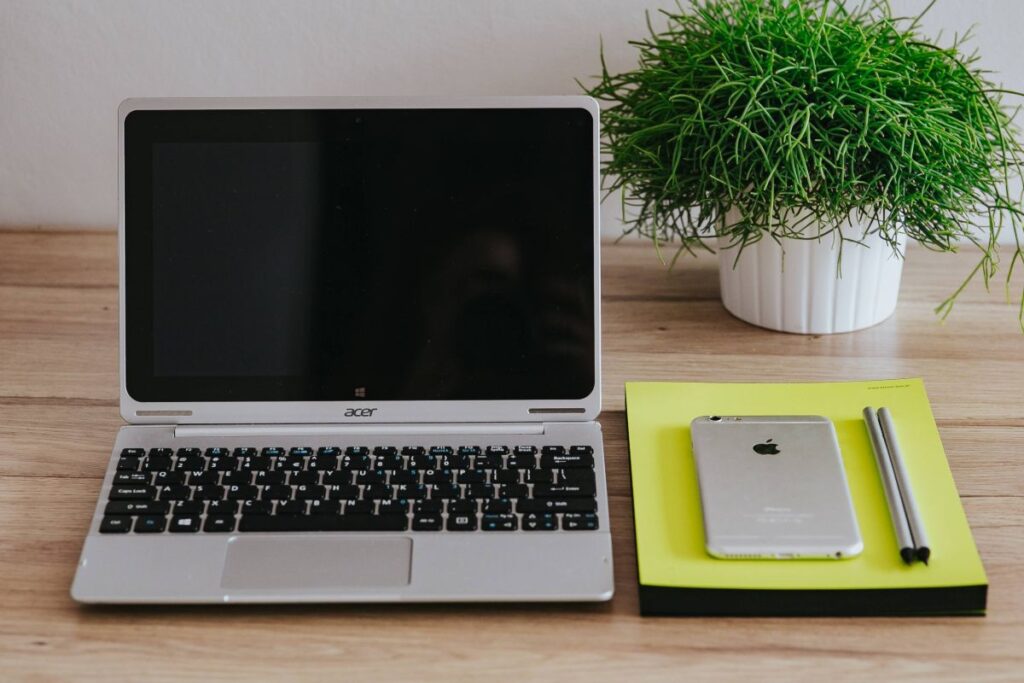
(528, 505)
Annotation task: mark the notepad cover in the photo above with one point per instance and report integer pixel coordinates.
(676, 574)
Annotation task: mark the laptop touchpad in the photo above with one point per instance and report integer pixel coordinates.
(298, 562)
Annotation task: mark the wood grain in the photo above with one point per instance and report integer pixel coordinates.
(58, 416)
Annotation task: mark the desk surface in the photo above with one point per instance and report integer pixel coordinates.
(58, 416)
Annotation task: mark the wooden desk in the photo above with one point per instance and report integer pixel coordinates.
(58, 416)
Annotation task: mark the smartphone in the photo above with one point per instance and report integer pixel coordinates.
(773, 487)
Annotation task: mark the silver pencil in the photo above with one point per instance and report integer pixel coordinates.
(921, 547)
(897, 512)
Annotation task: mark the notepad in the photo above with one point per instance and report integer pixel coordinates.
(676, 574)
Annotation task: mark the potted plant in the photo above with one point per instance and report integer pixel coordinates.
(807, 140)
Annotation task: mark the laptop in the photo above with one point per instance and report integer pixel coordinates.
(359, 354)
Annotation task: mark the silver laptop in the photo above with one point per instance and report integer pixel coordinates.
(360, 354)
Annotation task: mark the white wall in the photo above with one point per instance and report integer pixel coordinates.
(65, 65)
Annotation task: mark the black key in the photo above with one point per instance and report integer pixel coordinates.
(393, 507)
(256, 507)
(115, 525)
(269, 478)
(272, 452)
(487, 461)
(157, 463)
(472, 477)
(209, 492)
(469, 450)
(169, 479)
(289, 464)
(579, 522)
(506, 476)
(325, 523)
(277, 492)
(187, 507)
(437, 477)
(577, 476)
(223, 464)
(323, 463)
(422, 461)
(184, 524)
(219, 524)
(236, 478)
(461, 523)
(427, 521)
(371, 477)
(427, 507)
(244, 452)
(150, 524)
(413, 491)
(161, 452)
(358, 451)
(540, 522)
(189, 463)
(128, 463)
(581, 450)
(328, 452)
(522, 461)
(358, 507)
(513, 491)
(528, 505)
(564, 491)
(405, 477)
(446, 491)
(462, 507)
(304, 478)
(256, 463)
(566, 460)
(136, 507)
(217, 452)
(454, 462)
(552, 450)
(497, 506)
(540, 476)
(389, 462)
(301, 451)
(222, 507)
(309, 492)
(132, 492)
(385, 450)
(291, 507)
(500, 523)
(190, 452)
(334, 478)
(201, 478)
(324, 507)
(133, 452)
(476, 491)
(131, 478)
(343, 492)
(376, 492)
(441, 451)
(496, 450)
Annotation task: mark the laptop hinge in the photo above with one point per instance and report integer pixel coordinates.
(352, 429)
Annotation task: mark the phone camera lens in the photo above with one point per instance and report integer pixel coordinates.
(715, 418)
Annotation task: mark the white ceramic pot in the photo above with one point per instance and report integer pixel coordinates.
(803, 287)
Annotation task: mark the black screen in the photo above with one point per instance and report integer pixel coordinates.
(359, 254)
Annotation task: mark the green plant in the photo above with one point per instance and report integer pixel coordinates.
(811, 108)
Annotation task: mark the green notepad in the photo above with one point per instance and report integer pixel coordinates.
(676, 574)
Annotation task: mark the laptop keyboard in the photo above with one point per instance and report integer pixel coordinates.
(435, 489)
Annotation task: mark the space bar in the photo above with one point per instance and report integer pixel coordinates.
(323, 523)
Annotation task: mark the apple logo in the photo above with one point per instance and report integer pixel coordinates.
(766, 448)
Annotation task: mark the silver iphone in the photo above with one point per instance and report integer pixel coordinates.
(773, 487)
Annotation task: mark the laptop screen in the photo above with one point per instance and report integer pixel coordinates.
(349, 254)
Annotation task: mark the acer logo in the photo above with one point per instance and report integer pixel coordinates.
(360, 412)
